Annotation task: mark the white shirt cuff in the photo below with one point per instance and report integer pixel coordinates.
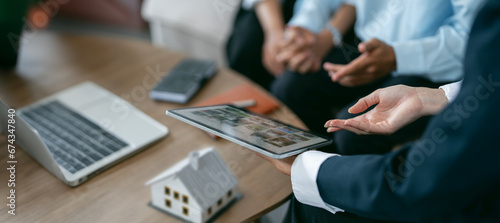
(304, 21)
(350, 2)
(409, 58)
(451, 90)
(305, 170)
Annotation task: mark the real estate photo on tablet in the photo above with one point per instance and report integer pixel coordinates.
(248, 129)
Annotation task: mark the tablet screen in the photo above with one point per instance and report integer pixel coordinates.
(258, 131)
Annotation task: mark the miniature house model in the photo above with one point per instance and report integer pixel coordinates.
(196, 188)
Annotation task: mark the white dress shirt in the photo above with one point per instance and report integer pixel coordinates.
(304, 172)
(451, 90)
(428, 36)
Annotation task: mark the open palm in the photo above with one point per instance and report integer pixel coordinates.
(396, 107)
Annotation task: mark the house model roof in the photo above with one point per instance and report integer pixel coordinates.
(205, 175)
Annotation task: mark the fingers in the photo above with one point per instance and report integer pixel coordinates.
(276, 69)
(293, 40)
(308, 37)
(310, 64)
(289, 51)
(338, 124)
(349, 81)
(289, 36)
(307, 65)
(333, 67)
(357, 66)
(286, 54)
(368, 46)
(334, 122)
(364, 127)
(297, 60)
(350, 74)
(293, 32)
(333, 129)
(356, 130)
(296, 39)
(304, 62)
(273, 66)
(295, 49)
(334, 125)
(365, 102)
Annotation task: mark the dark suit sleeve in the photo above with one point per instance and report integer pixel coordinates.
(455, 164)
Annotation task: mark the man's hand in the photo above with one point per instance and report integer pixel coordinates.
(270, 50)
(397, 106)
(298, 50)
(283, 165)
(377, 60)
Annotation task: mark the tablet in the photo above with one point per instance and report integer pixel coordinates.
(258, 133)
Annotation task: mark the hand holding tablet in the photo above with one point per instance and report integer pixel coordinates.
(263, 135)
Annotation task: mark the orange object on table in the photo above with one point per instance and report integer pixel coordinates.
(264, 103)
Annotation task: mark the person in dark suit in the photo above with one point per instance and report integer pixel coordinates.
(451, 174)
(417, 43)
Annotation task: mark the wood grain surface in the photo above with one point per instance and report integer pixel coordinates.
(50, 62)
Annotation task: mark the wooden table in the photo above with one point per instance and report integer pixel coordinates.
(50, 62)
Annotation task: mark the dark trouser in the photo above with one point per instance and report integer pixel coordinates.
(244, 47)
(298, 212)
(12, 15)
(316, 99)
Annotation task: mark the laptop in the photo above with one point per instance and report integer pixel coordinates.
(81, 131)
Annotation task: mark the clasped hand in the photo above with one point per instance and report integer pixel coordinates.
(377, 59)
(301, 50)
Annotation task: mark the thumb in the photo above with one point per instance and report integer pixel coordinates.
(368, 46)
(365, 102)
(332, 67)
(289, 36)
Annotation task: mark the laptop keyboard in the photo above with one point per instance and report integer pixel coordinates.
(74, 141)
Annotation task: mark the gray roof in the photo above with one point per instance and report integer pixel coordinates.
(205, 175)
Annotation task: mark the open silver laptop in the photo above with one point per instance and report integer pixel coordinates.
(80, 131)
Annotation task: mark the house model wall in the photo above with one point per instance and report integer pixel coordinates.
(196, 188)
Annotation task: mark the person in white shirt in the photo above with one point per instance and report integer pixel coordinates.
(395, 107)
(258, 37)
